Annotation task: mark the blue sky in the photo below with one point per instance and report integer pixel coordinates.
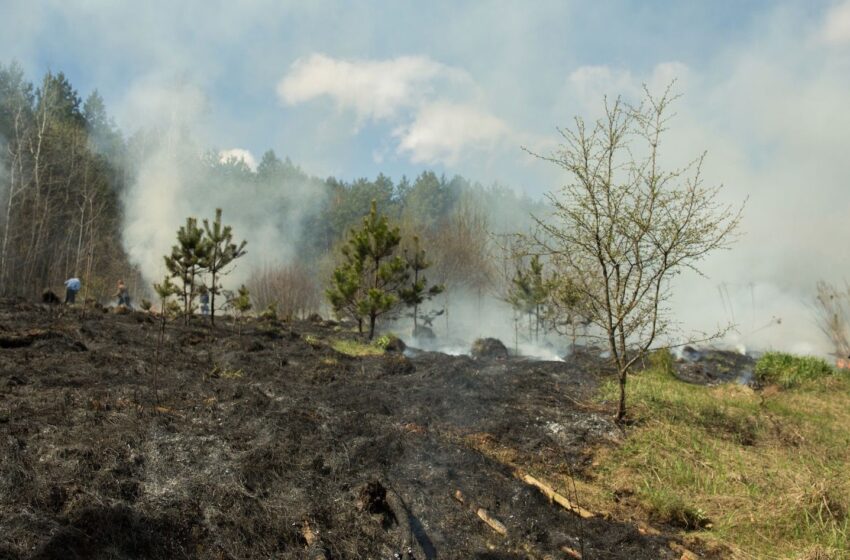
(354, 88)
(517, 58)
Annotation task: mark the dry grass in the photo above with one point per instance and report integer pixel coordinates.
(763, 473)
(355, 348)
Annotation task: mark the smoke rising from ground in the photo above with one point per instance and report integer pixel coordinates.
(174, 179)
(769, 104)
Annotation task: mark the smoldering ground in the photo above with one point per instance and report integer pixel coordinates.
(271, 443)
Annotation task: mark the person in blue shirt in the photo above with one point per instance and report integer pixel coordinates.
(72, 286)
(205, 301)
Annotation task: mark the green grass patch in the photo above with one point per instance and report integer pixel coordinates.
(356, 348)
(789, 371)
(762, 473)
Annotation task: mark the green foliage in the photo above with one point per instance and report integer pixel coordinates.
(165, 290)
(146, 304)
(529, 293)
(788, 370)
(668, 507)
(661, 360)
(189, 258)
(220, 251)
(270, 312)
(242, 301)
(372, 276)
(356, 348)
(385, 340)
(767, 469)
(418, 292)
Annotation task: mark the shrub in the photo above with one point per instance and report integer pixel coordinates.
(665, 506)
(788, 370)
(661, 360)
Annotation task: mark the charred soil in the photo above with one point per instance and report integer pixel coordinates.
(264, 442)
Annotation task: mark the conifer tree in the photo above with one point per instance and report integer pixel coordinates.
(164, 290)
(187, 261)
(241, 302)
(418, 291)
(220, 251)
(369, 282)
(346, 289)
(529, 294)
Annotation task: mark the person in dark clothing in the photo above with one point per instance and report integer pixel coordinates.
(123, 295)
(72, 286)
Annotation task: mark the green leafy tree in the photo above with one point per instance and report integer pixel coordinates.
(418, 291)
(187, 261)
(368, 284)
(220, 251)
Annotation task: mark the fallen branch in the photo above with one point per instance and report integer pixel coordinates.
(482, 514)
(315, 550)
(553, 496)
(571, 552)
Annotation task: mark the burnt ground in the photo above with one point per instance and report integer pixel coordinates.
(269, 444)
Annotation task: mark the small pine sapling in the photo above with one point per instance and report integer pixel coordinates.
(220, 251)
(167, 307)
(241, 302)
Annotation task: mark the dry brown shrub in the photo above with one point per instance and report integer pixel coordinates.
(292, 288)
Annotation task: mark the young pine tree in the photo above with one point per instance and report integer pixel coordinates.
(187, 261)
(241, 302)
(529, 293)
(369, 282)
(164, 291)
(418, 291)
(220, 252)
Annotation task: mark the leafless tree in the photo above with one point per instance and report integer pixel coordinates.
(292, 288)
(832, 314)
(623, 226)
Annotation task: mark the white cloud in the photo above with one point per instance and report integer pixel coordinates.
(836, 28)
(589, 84)
(444, 131)
(373, 89)
(434, 121)
(240, 154)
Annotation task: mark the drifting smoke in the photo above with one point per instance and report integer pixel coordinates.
(770, 107)
(172, 181)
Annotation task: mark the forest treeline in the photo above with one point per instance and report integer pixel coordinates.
(65, 168)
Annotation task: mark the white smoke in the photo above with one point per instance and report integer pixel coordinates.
(171, 183)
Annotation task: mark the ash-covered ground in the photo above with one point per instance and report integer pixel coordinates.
(267, 443)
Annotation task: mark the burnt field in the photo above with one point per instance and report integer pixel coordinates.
(265, 442)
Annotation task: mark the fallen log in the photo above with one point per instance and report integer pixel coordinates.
(553, 496)
(482, 514)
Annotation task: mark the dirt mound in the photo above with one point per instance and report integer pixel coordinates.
(489, 348)
(259, 440)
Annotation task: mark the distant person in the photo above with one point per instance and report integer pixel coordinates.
(205, 301)
(72, 286)
(123, 295)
